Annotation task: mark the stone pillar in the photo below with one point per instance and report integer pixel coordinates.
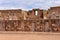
(2, 26)
(33, 26)
(22, 25)
(46, 27)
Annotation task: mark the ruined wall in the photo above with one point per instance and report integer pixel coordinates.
(54, 13)
(53, 16)
(34, 20)
(10, 14)
(22, 25)
(34, 14)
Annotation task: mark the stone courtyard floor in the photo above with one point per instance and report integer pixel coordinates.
(29, 36)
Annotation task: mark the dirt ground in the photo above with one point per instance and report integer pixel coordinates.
(29, 36)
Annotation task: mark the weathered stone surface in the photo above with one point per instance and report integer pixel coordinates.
(35, 20)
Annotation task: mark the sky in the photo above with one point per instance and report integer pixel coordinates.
(28, 4)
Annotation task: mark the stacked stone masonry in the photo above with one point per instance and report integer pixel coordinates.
(35, 20)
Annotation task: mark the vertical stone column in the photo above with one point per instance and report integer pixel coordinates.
(47, 26)
(50, 25)
(22, 25)
(2, 26)
(33, 26)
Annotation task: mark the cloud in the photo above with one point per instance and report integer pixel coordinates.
(28, 4)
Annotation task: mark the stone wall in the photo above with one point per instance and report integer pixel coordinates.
(34, 20)
(34, 14)
(54, 13)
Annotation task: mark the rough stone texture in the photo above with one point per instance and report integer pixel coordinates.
(35, 20)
